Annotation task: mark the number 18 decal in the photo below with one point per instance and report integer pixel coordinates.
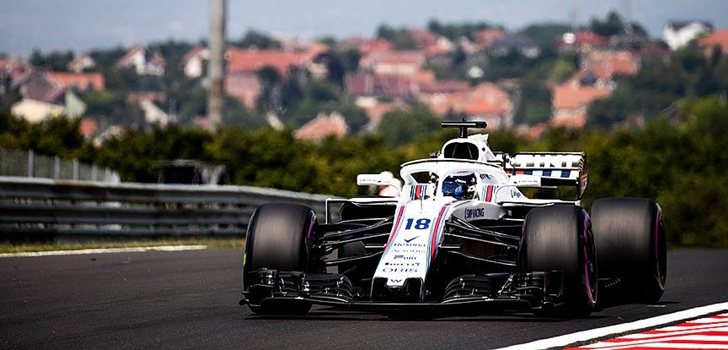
(420, 224)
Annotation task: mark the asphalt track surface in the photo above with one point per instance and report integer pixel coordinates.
(189, 300)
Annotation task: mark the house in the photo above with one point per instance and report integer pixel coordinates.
(310, 49)
(430, 43)
(47, 94)
(36, 111)
(486, 37)
(37, 85)
(137, 96)
(444, 87)
(245, 87)
(13, 70)
(153, 114)
(108, 134)
(375, 109)
(440, 96)
(366, 46)
(467, 46)
(79, 81)
(654, 51)
(570, 102)
(88, 127)
(718, 38)
(193, 62)
(323, 126)
(601, 68)
(393, 62)
(143, 61)
(241, 79)
(74, 107)
(487, 101)
(677, 34)
(82, 63)
(583, 42)
(316, 57)
(391, 86)
(252, 60)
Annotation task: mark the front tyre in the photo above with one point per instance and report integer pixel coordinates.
(559, 238)
(278, 239)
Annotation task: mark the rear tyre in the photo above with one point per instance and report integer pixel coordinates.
(631, 245)
(278, 239)
(559, 238)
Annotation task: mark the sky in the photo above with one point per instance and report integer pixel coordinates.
(81, 25)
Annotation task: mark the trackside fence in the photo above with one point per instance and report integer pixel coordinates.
(42, 209)
(30, 164)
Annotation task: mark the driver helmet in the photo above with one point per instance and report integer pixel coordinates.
(460, 186)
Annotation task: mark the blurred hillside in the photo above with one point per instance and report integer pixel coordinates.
(603, 74)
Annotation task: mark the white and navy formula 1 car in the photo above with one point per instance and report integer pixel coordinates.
(472, 231)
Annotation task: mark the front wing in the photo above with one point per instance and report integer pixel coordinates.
(328, 289)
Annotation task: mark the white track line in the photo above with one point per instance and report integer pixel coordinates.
(619, 329)
(166, 248)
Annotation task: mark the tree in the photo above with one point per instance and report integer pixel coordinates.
(400, 127)
(545, 34)
(55, 60)
(55, 136)
(335, 67)
(269, 79)
(258, 40)
(236, 115)
(612, 25)
(456, 31)
(401, 38)
(112, 108)
(535, 103)
(350, 59)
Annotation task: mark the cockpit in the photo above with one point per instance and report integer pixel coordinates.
(460, 186)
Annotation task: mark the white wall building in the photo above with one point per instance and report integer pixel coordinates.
(677, 34)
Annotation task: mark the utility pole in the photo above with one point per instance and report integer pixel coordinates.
(215, 70)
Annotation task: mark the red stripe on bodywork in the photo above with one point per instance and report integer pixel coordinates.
(397, 223)
(489, 193)
(436, 230)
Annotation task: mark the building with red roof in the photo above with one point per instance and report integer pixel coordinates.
(486, 37)
(718, 38)
(80, 81)
(583, 41)
(252, 60)
(323, 126)
(393, 62)
(143, 61)
(570, 102)
(380, 85)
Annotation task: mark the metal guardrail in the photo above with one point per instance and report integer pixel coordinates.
(33, 208)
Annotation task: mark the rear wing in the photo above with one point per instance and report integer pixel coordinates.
(554, 168)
